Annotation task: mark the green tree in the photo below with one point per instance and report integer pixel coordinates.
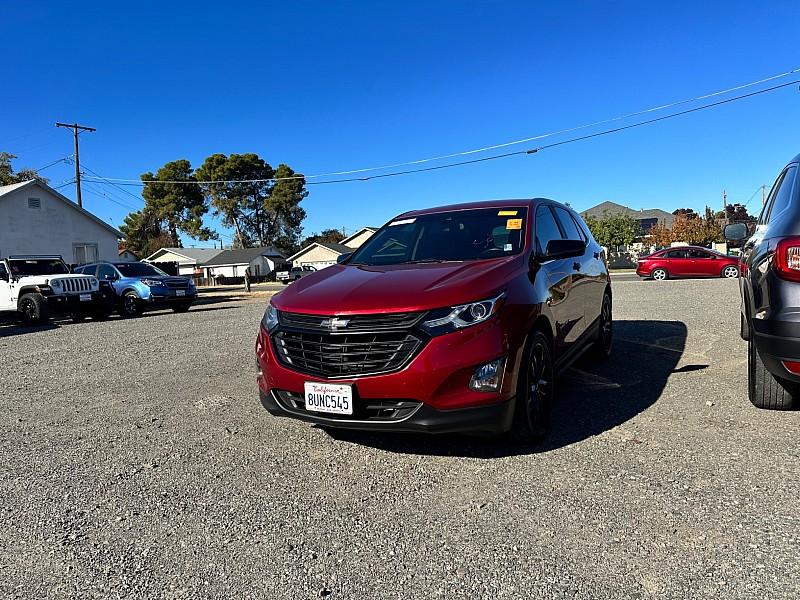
(144, 233)
(178, 207)
(612, 230)
(7, 174)
(331, 236)
(261, 211)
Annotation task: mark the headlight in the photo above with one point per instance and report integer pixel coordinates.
(270, 320)
(55, 284)
(446, 320)
(152, 282)
(95, 282)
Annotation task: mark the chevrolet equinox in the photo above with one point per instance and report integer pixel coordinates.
(456, 318)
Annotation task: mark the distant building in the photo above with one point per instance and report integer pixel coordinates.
(647, 217)
(324, 254)
(36, 219)
(128, 256)
(190, 261)
(233, 263)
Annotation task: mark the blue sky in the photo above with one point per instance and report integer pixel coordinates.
(327, 86)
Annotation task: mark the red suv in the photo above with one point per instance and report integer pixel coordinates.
(448, 319)
(687, 261)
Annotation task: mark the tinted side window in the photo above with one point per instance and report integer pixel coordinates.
(571, 231)
(784, 193)
(676, 254)
(546, 228)
(106, 272)
(698, 254)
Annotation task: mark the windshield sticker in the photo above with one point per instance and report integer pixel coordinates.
(507, 213)
(514, 224)
(508, 247)
(401, 222)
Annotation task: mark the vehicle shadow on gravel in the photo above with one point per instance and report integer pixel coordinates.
(11, 328)
(592, 397)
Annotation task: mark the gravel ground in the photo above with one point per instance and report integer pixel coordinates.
(138, 463)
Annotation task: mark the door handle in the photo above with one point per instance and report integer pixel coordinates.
(597, 255)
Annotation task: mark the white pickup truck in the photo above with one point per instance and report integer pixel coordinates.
(39, 286)
(294, 274)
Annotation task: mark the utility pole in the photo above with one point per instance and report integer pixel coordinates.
(763, 195)
(75, 130)
(724, 201)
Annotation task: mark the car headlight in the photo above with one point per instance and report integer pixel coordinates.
(270, 319)
(152, 282)
(55, 284)
(445, 320)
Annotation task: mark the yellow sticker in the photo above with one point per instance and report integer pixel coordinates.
(507, 213)
(514, 224)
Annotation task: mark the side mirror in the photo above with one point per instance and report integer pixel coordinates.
(343, 257)
(563, 249)
(735, 232)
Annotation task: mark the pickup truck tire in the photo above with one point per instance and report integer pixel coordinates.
(131, 305)
(764, 389)
(32, 308)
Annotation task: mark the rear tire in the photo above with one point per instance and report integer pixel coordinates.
(182, 307)
(535, 391)
(32, 309)
(659, 274)
(763, 388)
(730, 272)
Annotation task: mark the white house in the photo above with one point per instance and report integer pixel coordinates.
(232, 263)
(324, 254)
(36, 219)
(190, 261)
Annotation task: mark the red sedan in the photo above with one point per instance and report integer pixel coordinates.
(687, 261)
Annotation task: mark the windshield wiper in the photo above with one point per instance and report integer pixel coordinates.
(427, 260)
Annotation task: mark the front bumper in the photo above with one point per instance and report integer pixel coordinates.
(436, 379)
(72, 303)
(158, 296)
(494, 418)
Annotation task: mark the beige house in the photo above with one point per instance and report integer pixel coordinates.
(190, 261)
(324, 254)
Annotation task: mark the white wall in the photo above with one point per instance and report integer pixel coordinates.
(51, 229)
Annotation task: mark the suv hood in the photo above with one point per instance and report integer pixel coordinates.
(358, 289)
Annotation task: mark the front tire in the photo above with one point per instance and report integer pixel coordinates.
(33, 309)
(660, 274)
(605, 335)
(763, 388)
(535, 391)
(730, 272)
(131, 305)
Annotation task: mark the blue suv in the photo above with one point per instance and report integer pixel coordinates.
(140, 286)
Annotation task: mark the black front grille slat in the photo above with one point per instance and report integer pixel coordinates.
(336, 355)
(378, 322)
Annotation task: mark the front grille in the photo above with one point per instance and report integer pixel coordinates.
(363, 409)
(76, 285)
(345, 354)
(177, 284)
(377, 322)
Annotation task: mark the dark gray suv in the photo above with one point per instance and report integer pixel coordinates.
(770, 288)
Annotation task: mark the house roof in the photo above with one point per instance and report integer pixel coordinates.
(131, 252)
(242, 256)
(615, 209)
(198, 256)
(7, 189)
(338, 249)
(358, 233)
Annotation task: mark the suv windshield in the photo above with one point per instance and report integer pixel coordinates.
(37, 266)
(458, 235)
(138, 270)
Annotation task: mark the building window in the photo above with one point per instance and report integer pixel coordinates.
(35, 203)
(84, 253)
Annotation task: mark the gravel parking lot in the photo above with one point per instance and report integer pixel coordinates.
(137, 462)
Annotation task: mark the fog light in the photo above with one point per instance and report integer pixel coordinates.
(488, 377)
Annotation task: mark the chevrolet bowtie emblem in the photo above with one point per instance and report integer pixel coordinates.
(334, 323)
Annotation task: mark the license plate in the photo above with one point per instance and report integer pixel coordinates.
(86, 297)
(180, 292)
(329, 398)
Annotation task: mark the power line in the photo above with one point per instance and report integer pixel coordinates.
(107, 196)
(55, 162)
(122, 189)
(524, 140)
